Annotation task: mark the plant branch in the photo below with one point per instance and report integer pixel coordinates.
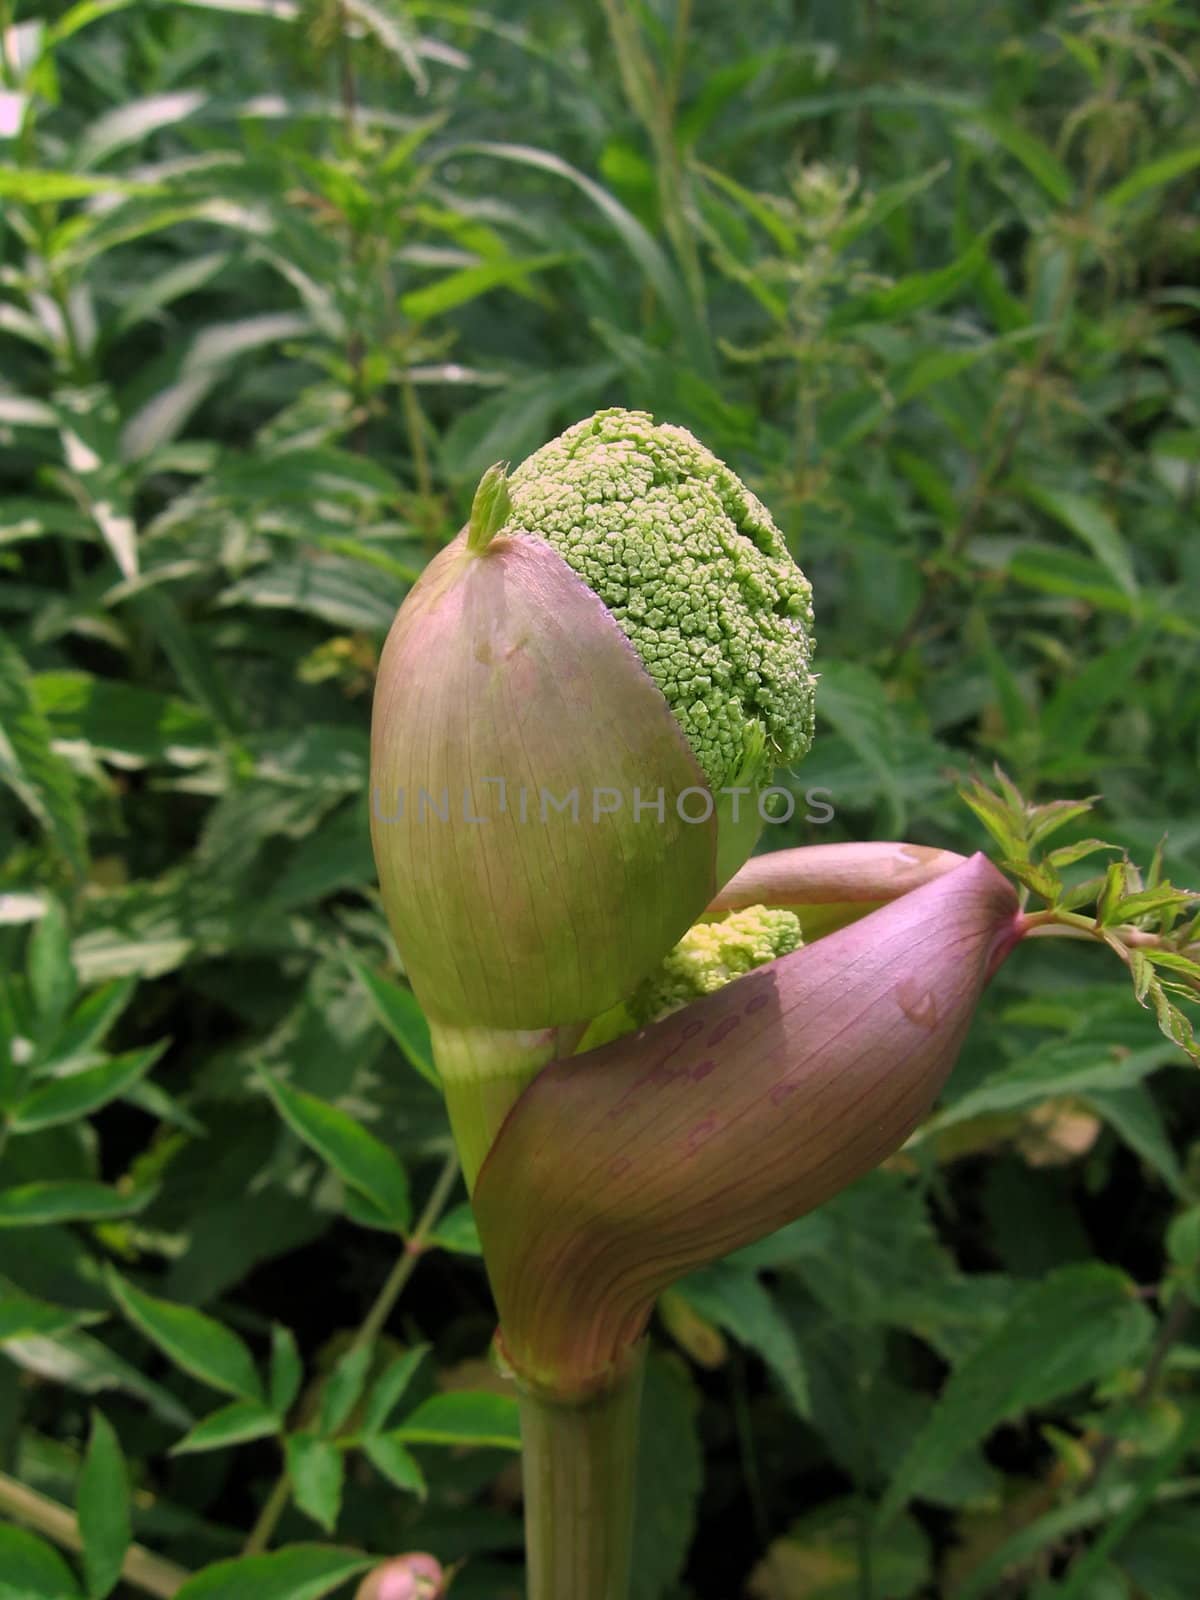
(141, 1568)
(371, 1327)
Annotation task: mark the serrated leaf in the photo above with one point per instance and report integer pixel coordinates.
(1006, 828)
(389, 1388)
(193, 1341)
(1067, 855)
(301, 1572)
(1092, 524)
(1076, 1326)
(464, 1416)
(103, 1509)
(399, 1011)
(344, 1386)
(1143, 902)
(317, 1471)
(358, 1157)
(393, 1460)
(1045, 820)
(236, 1423)
(32, 1205)
(1036, 875)
(77, 1094)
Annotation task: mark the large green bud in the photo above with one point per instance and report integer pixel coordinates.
(617, 636)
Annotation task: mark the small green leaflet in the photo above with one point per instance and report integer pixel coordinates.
(463, 1417)
(362, 1161)
(400, 1014)
(103, 1509)
(317, 1471)
(196, 1343)
(301, 1572)
(33, 1204)
(236, 1423)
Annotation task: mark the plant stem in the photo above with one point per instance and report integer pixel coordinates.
(141, 1568)
(580, 1466)
(484, 1072)
(371, 1327)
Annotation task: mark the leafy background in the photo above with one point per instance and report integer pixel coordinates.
(277, 282)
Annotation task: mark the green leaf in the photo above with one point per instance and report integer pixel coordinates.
(23, 1316)
(1133, 1115)
(669, 1477)
(124, 721)
(1152, 175)
(31, 1205)
(392, 1459)
(32, 1567)
(735, 1300)
(1078, 1325)
(344, 1387)
(287, 1370)
(194, 1342)
(399, 1012)
(358, 1157)
(389, 1388)
(459, 288)
(52, 979)
(236, 1423)
(458, 1232)
(37, 775)
(1090, 523)
(464, 1416)
(103, 1509)
(79, 1093)
(650, 258)
(28, 187)
(90, 1021)
(301, 1572)
(317, 1470)
(1035, 156)
(916, 293)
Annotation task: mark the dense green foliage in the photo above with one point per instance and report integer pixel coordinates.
(278, 281)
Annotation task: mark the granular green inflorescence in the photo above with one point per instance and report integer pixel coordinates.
(712, 954)
(697, 575)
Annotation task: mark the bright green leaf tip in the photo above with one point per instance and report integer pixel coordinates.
(490, 508)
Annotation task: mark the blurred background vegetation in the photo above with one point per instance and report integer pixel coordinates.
(278, 281)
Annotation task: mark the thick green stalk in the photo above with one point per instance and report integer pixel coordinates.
(484, 1072)
(580, 1466)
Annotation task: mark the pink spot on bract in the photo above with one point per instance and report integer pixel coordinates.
(918, 1004)
(702, 1131)
(619, 1165)
(783, 1091)
(690, 1030)
(757, 1002)
(702, 1070)
(724, 1028)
